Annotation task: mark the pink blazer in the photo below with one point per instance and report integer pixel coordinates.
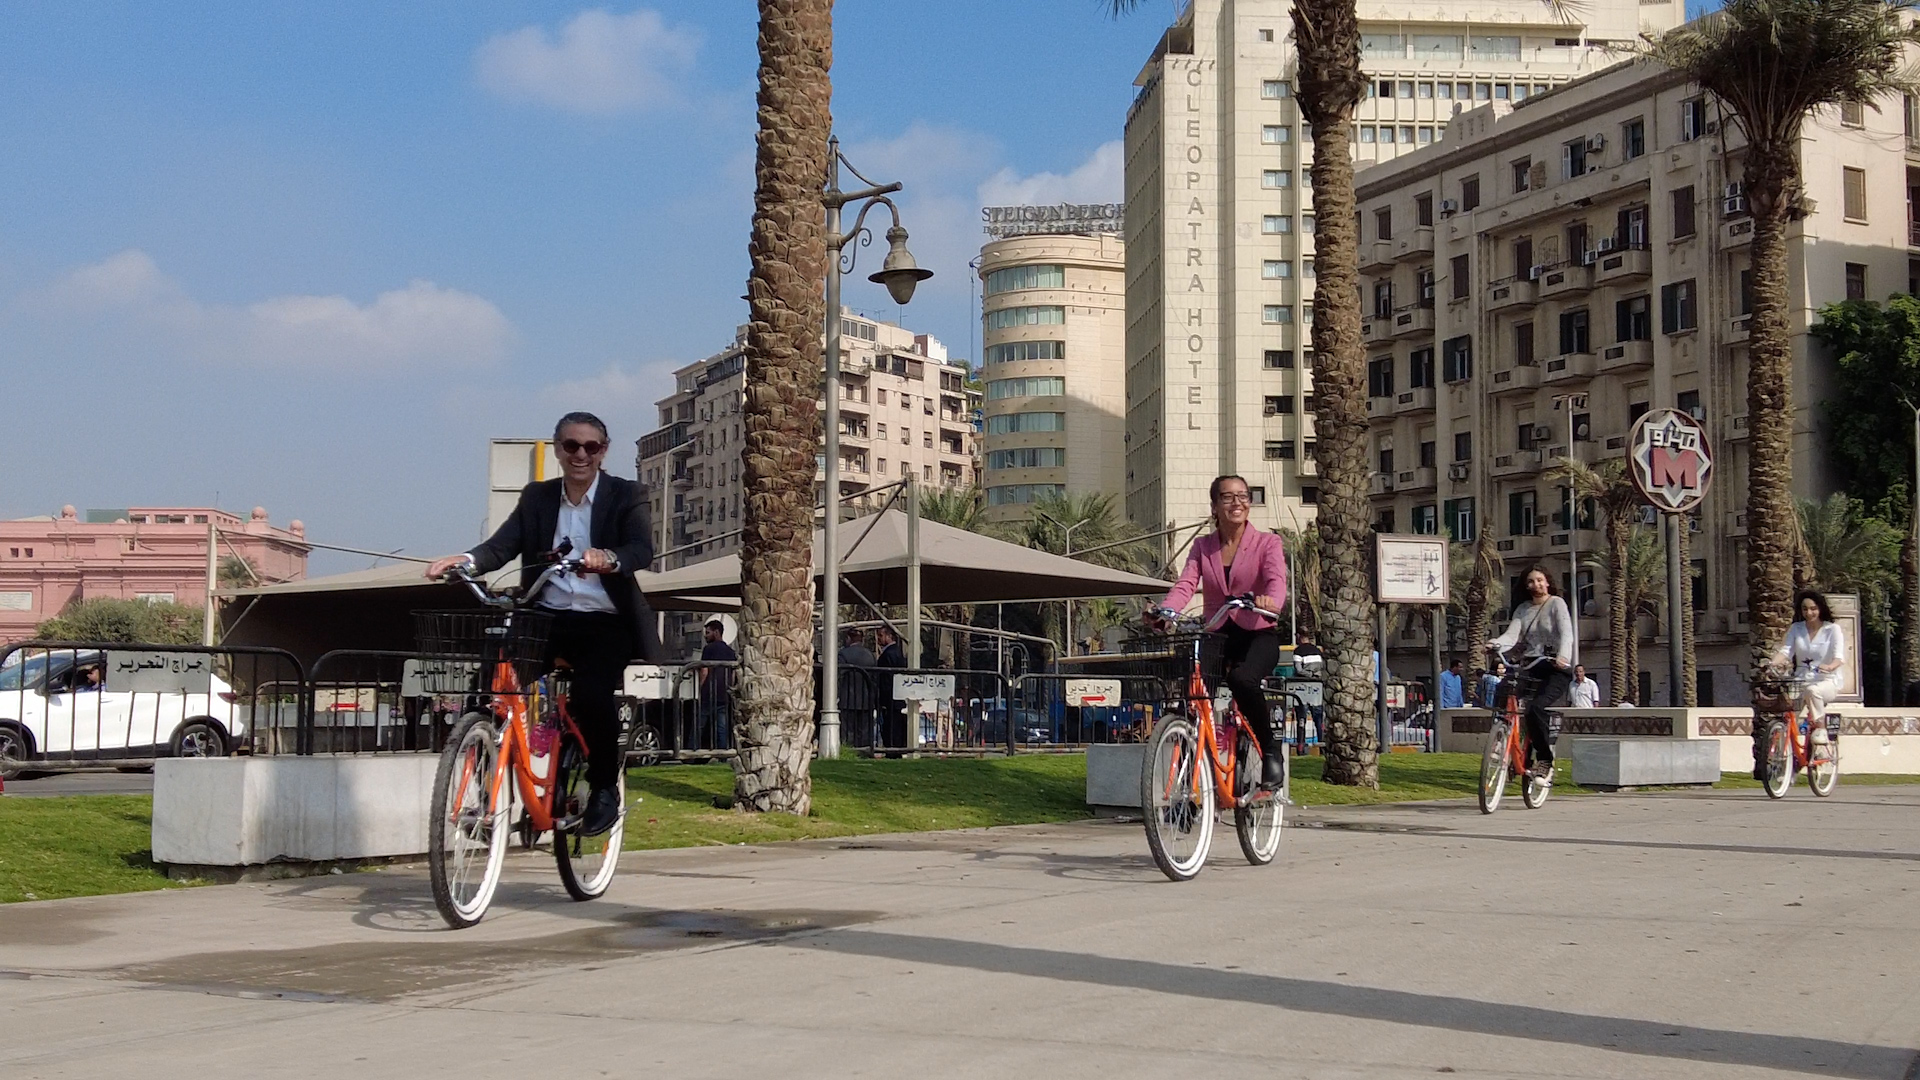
(1259, 567)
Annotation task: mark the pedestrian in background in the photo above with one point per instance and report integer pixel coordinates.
(856, 687)
(716, 686)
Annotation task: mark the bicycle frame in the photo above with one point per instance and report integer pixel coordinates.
(1223, 761)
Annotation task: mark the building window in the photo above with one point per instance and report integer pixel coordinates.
(1279, 450)
(1277, 359)
(1853, 114)
(1575, 332)
(1426, 520)
(1276, 178)
(1024, 493)
(1633, 319)
(1266, 35)
(1026, 316)
(1423, 209)
(1429, 450)
(1420, 368)
(1470, 192)
(1275, 134)
(1677, 310)
(1521, 169)
(1256, 496)
(1683, 223)
(1856, 281)
(1463, 446)
(1380, 377)
(1462, 281)
(1523, 354)
(1277, 405)
(1030, 457)
(1383, 223)
(1026, 277)
(1689, 402)
(1013, 351)
(1276, 224)
(1522, 512)
(1307, 268)
(1854, 202)
(1457, 359)
(1276, 314)
(1016, 423)
(1633, 138)
(1366, 133)
(1046, 386)
(1308, 224)
(1460, 521)
(1573, 159)
(1307, 404)
(1276, 269)
(1423, 286)
(1275, 89)
(1383, 47)
(1386, 459)
(1693, 119)
(1382, 299)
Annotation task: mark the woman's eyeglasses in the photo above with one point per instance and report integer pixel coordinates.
(1236, 497)
(575, 446)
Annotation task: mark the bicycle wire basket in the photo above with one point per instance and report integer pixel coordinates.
(519, 636)
(1170, 656)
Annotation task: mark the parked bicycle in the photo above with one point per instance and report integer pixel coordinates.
(1507, 752)
(516, 744)
(1789, 737)
(1204, 757)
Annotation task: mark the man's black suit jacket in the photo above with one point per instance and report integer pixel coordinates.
(619, 525)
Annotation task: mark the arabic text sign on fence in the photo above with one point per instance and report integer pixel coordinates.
(1412, 569)
(425, 678)
(923, 687)
(131, 671)
(1083, 693)
(1671, 459)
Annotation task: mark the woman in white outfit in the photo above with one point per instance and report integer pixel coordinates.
(1815, 650)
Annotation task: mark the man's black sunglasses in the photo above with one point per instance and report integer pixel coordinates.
(575, 446)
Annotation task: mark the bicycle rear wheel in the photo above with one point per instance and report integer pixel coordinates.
(1257, 823)
(1534, 791)
(586, 863)
(1494, 766)
(467, 829)
(1176, 798)
(1823, 772)
(1779, 772)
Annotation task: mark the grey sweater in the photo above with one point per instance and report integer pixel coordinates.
(1545, 629)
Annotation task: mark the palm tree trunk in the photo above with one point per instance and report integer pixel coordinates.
(1772, 528)
(1689, 670)
(1630, 669)
(1327, 34)
(1479, 611)
(1910, 621)
(1620, 629)
(786, 311)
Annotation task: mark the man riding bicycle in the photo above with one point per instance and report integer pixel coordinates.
(1236, 559)
(601, 621)
(1544, 626)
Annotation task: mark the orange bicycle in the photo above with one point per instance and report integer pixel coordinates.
(1192, 761)
(1507, 747)
(519, 746)
(1788, 735)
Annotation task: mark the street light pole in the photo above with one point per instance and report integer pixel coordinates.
(1068, 529)
(900, 276)
(1571, 402)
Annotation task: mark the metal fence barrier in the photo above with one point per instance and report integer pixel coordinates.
(111, 704)
(963, 711)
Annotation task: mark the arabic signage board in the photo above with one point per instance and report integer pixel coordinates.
(1411, 569)
(923, 687)
(1671, 460)
(426, 678)
(1085, 693)
(135, 672)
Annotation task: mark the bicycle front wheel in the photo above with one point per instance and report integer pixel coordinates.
(467, 828)
(1176, 798)
(586, 863)
(1494, 765)
(1779, 772)
(1256, 814)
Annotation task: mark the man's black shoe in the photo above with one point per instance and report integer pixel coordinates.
(603, 812)
(1273, 772)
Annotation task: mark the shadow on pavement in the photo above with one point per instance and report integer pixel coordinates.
(1676, 845)
(1620, 1034)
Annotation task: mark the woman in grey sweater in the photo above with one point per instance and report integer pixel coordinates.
(1543, 627)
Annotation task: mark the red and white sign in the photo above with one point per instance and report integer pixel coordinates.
(1671, 460)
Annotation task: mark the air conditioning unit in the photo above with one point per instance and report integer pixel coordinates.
(1732, 190)
(1605, 244)
(1589, 257)
(1713, 127)
(1449, 206)
(1534, 272)
(1596, 143)
(1541, 433)
(1733, 206)
(1698, 412)
(1457, 471)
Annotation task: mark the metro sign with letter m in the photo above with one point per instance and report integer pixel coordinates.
(1671, 459)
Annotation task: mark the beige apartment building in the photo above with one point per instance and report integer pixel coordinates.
(1219, 224)
(905, 411)
(1053, 354)
(1563, 264)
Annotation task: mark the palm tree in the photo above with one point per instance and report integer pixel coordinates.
(1610, 486)
(1303, 591)
(1771, 63)
(1096, 524)
(1468, 566)
(786, 311)
(1851, 551)
(1642, 577)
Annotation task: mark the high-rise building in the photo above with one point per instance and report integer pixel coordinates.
(905, 411)
(1053, 355)
(1220, 225)
(1564, 264)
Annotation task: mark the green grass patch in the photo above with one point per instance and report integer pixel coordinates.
(80, 845)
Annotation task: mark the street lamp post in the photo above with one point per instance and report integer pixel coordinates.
(1571, 402)
(1068, 529)
(900, 275)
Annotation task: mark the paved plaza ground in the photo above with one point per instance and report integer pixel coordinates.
(1699, 935)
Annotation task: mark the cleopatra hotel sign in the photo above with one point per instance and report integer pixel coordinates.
(1001, 222)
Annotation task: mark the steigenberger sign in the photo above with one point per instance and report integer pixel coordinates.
(1671, 460)
(1001, 222)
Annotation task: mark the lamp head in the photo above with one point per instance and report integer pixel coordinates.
(900, 274)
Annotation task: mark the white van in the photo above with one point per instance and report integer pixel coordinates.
(54, 715)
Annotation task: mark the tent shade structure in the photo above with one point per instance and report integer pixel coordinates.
(956, 567)
(363, 609)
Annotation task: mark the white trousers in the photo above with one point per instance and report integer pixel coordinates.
(1818, 693)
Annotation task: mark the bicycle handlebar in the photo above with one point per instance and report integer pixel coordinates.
(1243, 602)
(465, 576)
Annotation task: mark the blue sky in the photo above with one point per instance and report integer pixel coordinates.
(312, 256)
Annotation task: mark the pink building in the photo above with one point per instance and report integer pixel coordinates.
(151, 553)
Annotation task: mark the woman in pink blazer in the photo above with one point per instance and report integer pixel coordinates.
(1233, 560)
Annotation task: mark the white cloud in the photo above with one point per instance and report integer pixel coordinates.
(421, 325)
(617, 391)
(598, 62)
(1096, 180)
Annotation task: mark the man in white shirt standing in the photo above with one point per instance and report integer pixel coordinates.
(1584, 693)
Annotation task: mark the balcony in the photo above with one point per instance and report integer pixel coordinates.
(1570, 367)
(1565, 280)
(1379, 408)
(1626, 356)
(1913, 234)
(1737, 328)
(1418, 244)
(1630, 264)
(1522, 547)
(1417, 480)
(1517, 464)
(1415, 321)
(1376, 257)
(1512, 293)
(1377, 330)
(1737, 233)
(1521, 378)
(1587, 540)
(1380, 484)
(1413, 402)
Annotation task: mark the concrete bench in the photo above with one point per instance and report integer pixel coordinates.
(1629, 762)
